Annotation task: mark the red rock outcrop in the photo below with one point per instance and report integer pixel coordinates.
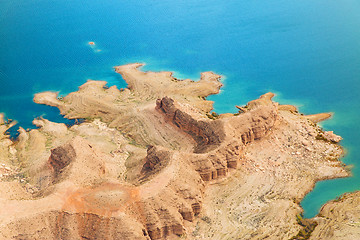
(156, 159)
(60, 158)
(254, 124)
(66, 225)
(224, 151)
(207, 134)
(217, 163)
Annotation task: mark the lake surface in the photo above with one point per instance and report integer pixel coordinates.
(307, 52)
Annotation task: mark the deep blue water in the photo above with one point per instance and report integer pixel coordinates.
(306, 51)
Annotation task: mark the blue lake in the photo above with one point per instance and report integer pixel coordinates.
(308, 52)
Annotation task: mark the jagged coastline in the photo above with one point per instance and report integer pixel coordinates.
(151, 162)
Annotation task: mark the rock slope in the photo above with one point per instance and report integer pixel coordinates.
(339, 219)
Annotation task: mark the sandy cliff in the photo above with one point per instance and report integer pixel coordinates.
(152, 162)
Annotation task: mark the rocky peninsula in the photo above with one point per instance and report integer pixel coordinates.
(151, 161)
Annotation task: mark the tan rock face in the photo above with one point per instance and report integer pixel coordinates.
(339, 219)
(142, 171)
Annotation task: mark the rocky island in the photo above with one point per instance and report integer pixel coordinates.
(151, 161)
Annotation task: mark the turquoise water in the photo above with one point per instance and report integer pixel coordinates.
(306, 51)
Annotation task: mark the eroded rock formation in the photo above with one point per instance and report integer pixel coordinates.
(207, 134)
(143, 170)
(60, 158)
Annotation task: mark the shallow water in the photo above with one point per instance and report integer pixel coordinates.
(305, 51)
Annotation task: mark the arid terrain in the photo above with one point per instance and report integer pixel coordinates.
(152, 161)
